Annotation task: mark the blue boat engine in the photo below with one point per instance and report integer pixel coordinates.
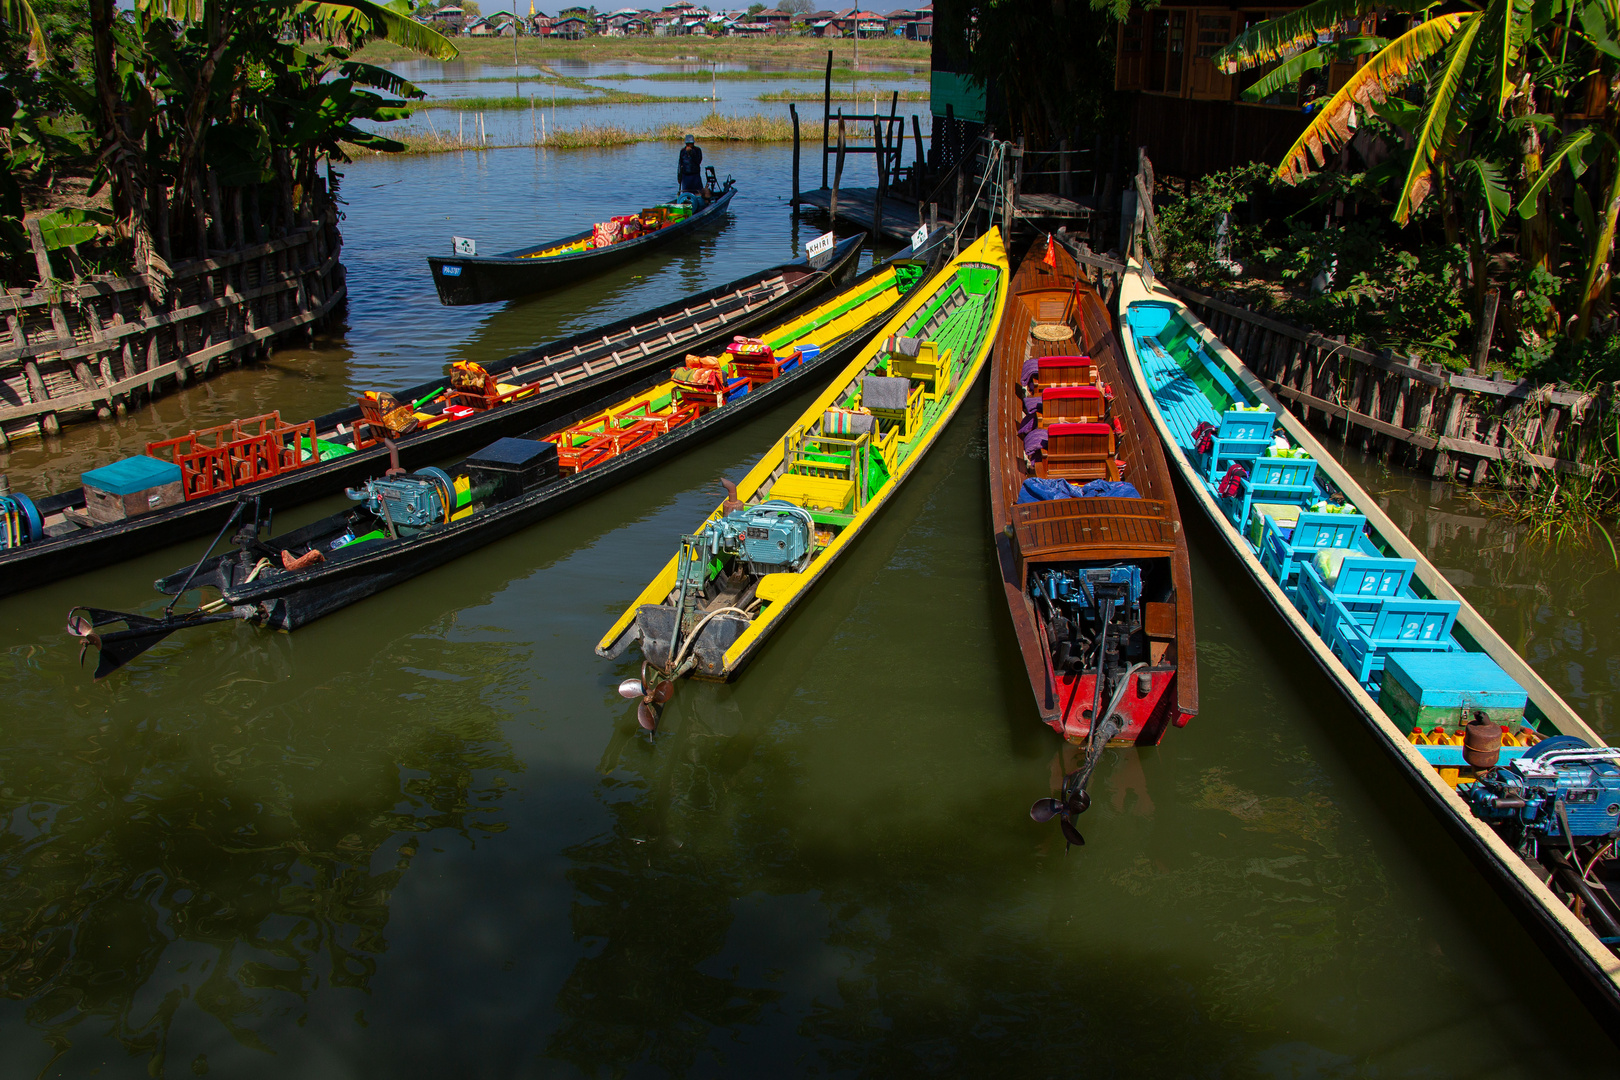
(771, 538)
(1561, 788)
(20, 521)
(1559, 805)
(1069, 600)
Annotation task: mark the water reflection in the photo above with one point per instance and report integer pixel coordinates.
(1558, 607)
(652, 898)
(239, 855)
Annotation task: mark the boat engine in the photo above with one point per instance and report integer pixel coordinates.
(413, 502)
(1559, 780)
(771, 538)
(1070, 601)
(716, 575)
(20, 521)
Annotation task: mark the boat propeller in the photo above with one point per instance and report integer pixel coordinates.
(652, 701)
(1074, 802)
(119, 647)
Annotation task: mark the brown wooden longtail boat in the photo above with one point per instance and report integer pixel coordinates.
(1098, 585)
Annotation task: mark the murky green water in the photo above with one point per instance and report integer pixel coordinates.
(424, 836)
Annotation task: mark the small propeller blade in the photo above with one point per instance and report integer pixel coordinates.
(663, 692)
(1045, 810)
(631, 689)
(647, 716)
(1077, 803)
(1070, 833)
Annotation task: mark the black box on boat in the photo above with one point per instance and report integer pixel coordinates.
(513, 466)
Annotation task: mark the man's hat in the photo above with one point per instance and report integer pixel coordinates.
(689, 138)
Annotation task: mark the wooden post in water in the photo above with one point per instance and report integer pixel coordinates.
(838, 171)
(793, 111)
(896, 143)
(921, 178)
(826, 112)
(881, 144)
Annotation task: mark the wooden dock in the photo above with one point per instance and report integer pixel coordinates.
(855, 206)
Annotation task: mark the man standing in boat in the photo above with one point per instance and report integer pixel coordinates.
(688, 173)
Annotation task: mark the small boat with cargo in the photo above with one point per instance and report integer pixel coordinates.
(1527, 788)
(736, 577)
(405, 524)
(488, 279)
(188, 486)
(1087, 531)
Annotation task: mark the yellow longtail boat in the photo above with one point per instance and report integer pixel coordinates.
(739, 574)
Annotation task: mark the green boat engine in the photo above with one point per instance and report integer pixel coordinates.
(771, 538)
(412, 502)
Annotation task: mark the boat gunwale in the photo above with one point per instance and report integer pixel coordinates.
(1599, 964)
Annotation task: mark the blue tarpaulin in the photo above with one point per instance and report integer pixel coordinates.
(1038, 490)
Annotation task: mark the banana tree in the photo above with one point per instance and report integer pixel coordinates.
(1466, 62)
(20, 14)
(174, 70)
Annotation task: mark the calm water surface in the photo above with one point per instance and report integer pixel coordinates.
(424, 836)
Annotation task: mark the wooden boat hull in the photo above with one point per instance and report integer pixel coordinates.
(464, 280)
(89, 549)
(986, 255)
(1584, 959)
(1064, 533)
(288, 604)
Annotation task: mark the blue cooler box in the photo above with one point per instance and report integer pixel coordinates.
(131, 487)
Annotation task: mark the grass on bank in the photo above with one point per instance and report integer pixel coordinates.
(843, 95)
(539, 101)
(839, 74)
(716, 127)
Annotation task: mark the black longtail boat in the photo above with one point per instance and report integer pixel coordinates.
(60, 539)
(406, 524)
(488, 279)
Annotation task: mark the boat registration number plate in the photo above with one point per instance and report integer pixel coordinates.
(919, 238)
(451, 271)
(820, 245)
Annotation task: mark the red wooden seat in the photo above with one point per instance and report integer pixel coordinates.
(1080, 452)
(1072, 405)
(1053, 371)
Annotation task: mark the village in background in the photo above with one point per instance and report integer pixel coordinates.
(681, 20)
